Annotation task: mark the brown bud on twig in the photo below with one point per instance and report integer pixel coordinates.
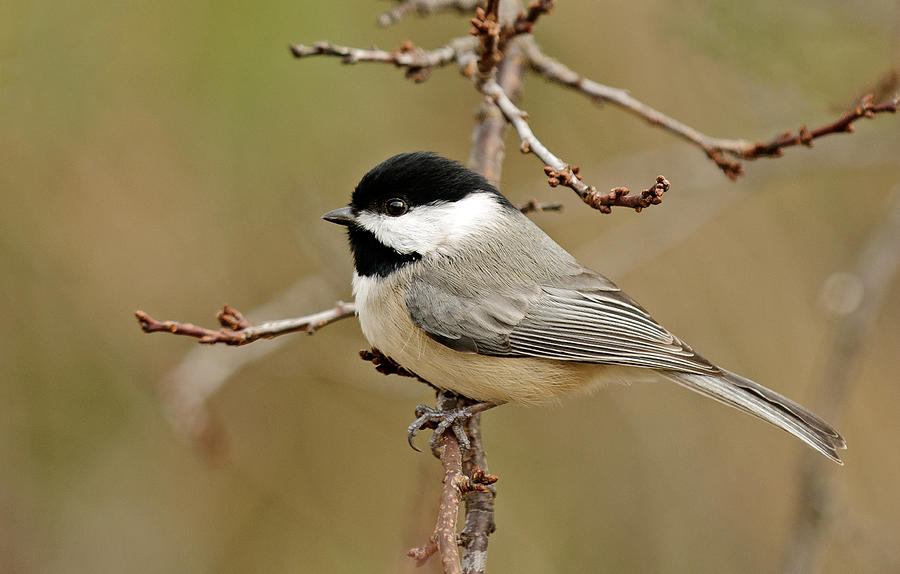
(867, 108)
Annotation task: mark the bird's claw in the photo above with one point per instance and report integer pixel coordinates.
(440, 421)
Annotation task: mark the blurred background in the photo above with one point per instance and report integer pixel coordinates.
(172, 156)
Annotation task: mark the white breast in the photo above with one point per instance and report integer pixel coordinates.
(382, 311)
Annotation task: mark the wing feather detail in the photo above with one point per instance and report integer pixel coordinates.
(595, 323)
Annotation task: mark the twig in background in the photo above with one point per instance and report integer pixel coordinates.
(534, 206)
(486, 27)
(417, 62)
(424, 8)
(867, 108)
(886, 87)
(524, 23)
(715, 148)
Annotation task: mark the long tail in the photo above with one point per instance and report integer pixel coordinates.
(757, 400)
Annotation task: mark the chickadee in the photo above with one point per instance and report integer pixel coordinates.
(454, 283)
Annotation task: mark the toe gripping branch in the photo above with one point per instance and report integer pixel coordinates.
(441, 421)
(427, 417)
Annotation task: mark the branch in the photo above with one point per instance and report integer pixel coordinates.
(866, 109)
(424, 8)
(417, 62)
(558, 72)
(457, 484)
(236, 330)
(488, 137)
(534, 206)
(561, 173)
(486, 27)
(715, 148)
(421, 554)
(445, 530)
(479, 503)
(524, 23)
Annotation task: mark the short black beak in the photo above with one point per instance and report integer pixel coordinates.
(341, 216)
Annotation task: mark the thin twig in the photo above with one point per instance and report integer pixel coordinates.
(417, 62)
(561, 173)
(424, 8)
(715, 148)
(236, 330)
(535, 206)
(421, 554)
(525, 21)
(885, 87)
(866, 109)
(558, 72)
(486, 27)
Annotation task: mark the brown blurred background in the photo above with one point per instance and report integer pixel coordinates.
(172, 156)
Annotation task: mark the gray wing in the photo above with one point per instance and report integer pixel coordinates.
(465, 321)
(583, 318)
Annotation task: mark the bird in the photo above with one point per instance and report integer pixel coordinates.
(452, 282)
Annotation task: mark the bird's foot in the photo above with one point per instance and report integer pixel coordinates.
(440, 421)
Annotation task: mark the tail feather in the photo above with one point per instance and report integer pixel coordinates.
(745, 395)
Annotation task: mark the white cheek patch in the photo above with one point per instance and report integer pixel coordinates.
(428, 228)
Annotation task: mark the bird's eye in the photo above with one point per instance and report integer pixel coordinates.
(396, 207)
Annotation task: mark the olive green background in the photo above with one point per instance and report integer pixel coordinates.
(172, 156)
